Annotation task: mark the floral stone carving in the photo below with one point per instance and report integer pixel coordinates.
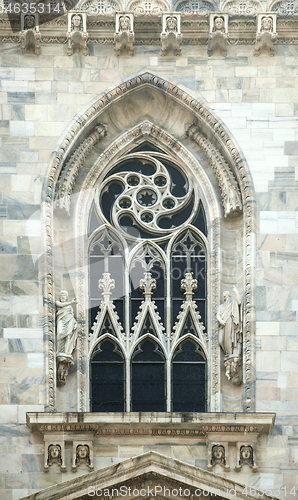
(77, 35)
(229, 316)
(266, 35)
(218, 34)
(66, 336)
(171, 36)
(30, 36)
(124, 34)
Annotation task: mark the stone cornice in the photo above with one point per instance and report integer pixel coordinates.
(194, 27)
(155, 424)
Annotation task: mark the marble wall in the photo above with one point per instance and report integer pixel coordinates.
(257, 99)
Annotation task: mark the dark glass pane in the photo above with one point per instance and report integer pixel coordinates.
(148, 378)
(108, 198)
(134, 308)
(133, 165)
(148, 387)
(178, 187)
(158, 274)
(189, 378)
(146, 146)
(175, 306)
(201, 308)
(136, 274)
(198, 268)
(179, 266)
(107, 379)
(94, 221)
(93, 310)
(147, 351)
(119, 306)
(178, 219)
(160, 304)
(200, 220)
(189, 387)
(188, 351)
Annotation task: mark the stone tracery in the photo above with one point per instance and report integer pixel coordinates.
(221, 136)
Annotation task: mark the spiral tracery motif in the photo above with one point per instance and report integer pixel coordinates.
(147, 194)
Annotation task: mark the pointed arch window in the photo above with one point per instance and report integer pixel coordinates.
(189, 377)
(152, 238)
(148, 377)
(107, 377)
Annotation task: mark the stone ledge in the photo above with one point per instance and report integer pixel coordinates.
(186, 424)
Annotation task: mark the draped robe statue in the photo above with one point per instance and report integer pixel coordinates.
(66, 325)
(229, 316)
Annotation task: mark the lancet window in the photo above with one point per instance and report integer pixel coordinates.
(148, 337)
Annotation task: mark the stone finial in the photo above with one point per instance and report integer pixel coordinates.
(77, 35)
(188, 283)
(124, 34)
(171, 36)
(147, 284)
(266, 34)
(218, 34)
(106, 284)
(30, 36)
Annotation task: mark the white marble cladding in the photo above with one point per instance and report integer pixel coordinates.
(257, 99)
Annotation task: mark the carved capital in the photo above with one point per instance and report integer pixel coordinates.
(64, 363)
(77, 35)
(124, 34)
(171, 35)
(266, 34)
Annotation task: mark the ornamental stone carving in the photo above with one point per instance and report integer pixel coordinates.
(124, 34)
(242, 7)
(230, 192)
(245, 456)
(287, 8)
(70, 170)
(30, 36)
(66, 336)
(82, 454)
(266, 34)
(218, 34)
(148, 7)
(77, 35)
(54, 454)
(229, 316)
(171, 36)
(217, 455)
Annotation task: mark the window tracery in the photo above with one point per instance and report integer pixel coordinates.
(164, 270)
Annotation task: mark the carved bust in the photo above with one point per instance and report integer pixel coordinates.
(76, 22)
(267, 24)
(29, 22)
(171, 23)
(124, 23)
(219, 24)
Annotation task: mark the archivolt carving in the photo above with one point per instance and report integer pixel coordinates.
(70, 170)
(230, 192)
(227, 148)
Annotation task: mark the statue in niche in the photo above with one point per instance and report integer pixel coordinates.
(229, 316)
(124, 35)
(66, 324)
(77, 35)
(66, 335)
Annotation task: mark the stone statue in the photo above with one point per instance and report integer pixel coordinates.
(66, 325)
(66, 336)
(229, 316)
